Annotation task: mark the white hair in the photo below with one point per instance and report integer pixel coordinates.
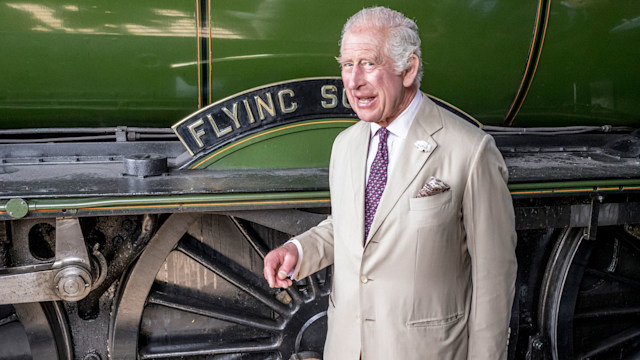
(402, 38)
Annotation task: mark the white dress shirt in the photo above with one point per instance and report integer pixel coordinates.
(398, 130)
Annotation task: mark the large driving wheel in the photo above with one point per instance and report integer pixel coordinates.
(197, 291)
(34, 331)
(590, 305)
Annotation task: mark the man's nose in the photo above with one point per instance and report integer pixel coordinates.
(356, 77)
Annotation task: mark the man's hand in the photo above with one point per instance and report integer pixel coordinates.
(278, 264)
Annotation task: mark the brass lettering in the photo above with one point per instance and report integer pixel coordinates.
(345, 100)
(197, 134)
(294, 105)
(233, 115)
(246, 106)
(219, 132)
(260, 104)
(328, 92)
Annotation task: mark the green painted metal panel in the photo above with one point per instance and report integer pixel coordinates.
(300, 145)
(588, 71)
(96, 63)
(474, 52)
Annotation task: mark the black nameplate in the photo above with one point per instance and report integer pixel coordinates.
(255, 110)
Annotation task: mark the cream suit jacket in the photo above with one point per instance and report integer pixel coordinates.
(436, 278)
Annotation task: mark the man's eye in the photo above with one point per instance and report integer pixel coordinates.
(347, 65)
(368, 64)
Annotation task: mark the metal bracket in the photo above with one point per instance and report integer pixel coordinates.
(121, 134)
(591, 230)
(67, 278)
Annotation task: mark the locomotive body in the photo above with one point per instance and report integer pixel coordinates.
(151, 153)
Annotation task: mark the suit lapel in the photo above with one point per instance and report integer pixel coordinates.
(410, 160)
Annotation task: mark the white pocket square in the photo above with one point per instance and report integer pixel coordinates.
(433, 187)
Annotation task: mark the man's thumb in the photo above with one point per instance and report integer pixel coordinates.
(287, 265)
(282, 274)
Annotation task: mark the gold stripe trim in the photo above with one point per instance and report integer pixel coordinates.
(531, 192)
(210, 60)
(269, 202)
(526, 67)
(198, 54)
(537, 61)
(318, 201)
(553, 191)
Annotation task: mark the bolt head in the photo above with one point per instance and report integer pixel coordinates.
(72, 283)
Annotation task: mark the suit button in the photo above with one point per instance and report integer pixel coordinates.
(364, 279)
(358, 317)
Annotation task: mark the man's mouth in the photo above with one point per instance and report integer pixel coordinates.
(364, 101)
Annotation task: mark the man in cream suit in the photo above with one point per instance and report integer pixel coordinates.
(421, 235)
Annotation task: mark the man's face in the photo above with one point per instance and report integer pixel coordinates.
(374, 89)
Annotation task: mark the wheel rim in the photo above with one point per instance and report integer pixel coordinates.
(34, 331)
(197, 291)
(590, 306)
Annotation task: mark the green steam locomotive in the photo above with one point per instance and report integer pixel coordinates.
(152, 153)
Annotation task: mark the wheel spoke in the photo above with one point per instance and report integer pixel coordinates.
(230, 271)
(314, 291)
(194, 306)
(606, 313)
(252, 238)
(611, 342)
(613, 277)
(202, 347)
(295, 295)
(260, 247)
(628, 240)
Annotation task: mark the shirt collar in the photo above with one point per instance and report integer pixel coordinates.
(400, 125)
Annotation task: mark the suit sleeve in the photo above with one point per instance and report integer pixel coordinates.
(317, 242)
(317, 246)
(489, 223)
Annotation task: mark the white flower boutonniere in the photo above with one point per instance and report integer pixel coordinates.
(423, 145)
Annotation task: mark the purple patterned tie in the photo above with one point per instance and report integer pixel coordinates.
(377, 180)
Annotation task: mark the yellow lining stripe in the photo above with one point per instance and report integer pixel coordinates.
(270, 202)
(198, 54)
(267, 133)
(558, 191)
(561, 191)
(210, 63)
(537, 61)
(529, 58)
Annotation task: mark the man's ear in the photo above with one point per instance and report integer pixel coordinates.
(409, 75)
